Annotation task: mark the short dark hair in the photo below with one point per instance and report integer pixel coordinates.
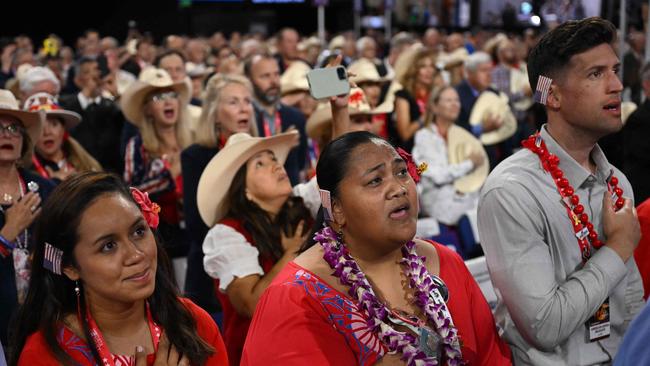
(159, 58)
(554, 51)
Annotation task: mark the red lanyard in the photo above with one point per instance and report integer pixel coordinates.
(41, 170)
(100, 344)
(582, 227)
(278, 125)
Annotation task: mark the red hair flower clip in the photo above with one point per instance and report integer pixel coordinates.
(414, 170)
(150, 210)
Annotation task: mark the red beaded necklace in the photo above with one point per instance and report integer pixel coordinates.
(583, 228)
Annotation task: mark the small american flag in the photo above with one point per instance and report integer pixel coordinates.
(542, 89)
(326, 201)
(52, 258)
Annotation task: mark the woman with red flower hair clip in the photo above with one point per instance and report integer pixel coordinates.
(101, 291)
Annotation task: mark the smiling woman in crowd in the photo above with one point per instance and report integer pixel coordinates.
(101, 291)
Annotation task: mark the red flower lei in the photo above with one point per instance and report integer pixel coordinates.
(583, 228)
(150, 210)
(415, 171)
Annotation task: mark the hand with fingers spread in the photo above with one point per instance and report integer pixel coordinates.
(621, 228)
(20, 215)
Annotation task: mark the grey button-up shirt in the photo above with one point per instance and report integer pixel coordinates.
(545, 296)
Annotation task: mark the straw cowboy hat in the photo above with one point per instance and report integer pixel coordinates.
(32, 121)
(220, 171)
(405, 59)
(47, 103)
(294, 78)
(321, 120)
(365, 71)
(453, 59)
(197, 70)
(337, 43)
(489, 103)
(627, 108)
(460, 143)
(150, 80)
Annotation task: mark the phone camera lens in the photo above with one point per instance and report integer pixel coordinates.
(341, 73)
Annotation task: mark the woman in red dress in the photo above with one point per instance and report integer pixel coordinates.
(101, 290)
(369, 292)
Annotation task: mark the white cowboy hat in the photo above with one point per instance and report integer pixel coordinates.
(460, 143)
(455, 58)
(321, 120)
(32, 121)
(364, 71)
(47, 103)
(197, 70)
(294, 78)
(151, 79)
(489, 103)
(220, 171)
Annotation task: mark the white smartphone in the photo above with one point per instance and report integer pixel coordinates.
(328, 82)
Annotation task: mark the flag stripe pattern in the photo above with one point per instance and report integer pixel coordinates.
(542, 89)
(52, 258)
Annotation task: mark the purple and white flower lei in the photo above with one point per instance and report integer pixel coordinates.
(349, 273)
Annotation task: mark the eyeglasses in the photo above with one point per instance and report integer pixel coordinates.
(12, 130)
(161, 97)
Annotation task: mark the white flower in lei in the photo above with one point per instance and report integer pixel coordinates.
(427, 297)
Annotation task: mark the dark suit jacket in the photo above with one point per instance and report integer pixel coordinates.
(199, 287)
(636, 151)
(8, 292)
(100, 131)
(298, 156)
(467, 100)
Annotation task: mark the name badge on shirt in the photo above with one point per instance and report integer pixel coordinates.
(598, 326)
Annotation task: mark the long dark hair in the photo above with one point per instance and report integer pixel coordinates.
(265, 230)
(332, 167)
(51, 297)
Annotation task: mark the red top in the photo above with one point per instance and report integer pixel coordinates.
(642, 252)
(36, 351)
(305, 321)
(235, 325)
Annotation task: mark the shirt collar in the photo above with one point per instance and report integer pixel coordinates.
(574, 172)
(258, 106)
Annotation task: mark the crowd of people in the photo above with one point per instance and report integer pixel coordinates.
(190, 202)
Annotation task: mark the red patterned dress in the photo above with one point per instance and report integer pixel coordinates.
(301, 320)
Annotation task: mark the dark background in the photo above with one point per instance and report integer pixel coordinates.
(69, 19)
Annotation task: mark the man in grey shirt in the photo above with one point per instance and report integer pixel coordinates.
(547, 290)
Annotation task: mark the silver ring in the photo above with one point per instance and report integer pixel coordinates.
(34, 208)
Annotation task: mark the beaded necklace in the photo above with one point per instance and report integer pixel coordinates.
(429, 347)
(583, 228)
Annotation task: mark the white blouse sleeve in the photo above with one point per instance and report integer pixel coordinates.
(310, 195)
(229, 255)
(430, 148)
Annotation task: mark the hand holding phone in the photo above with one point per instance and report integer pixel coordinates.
(328, 82)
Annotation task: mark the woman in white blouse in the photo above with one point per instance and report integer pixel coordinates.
(439, 198)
